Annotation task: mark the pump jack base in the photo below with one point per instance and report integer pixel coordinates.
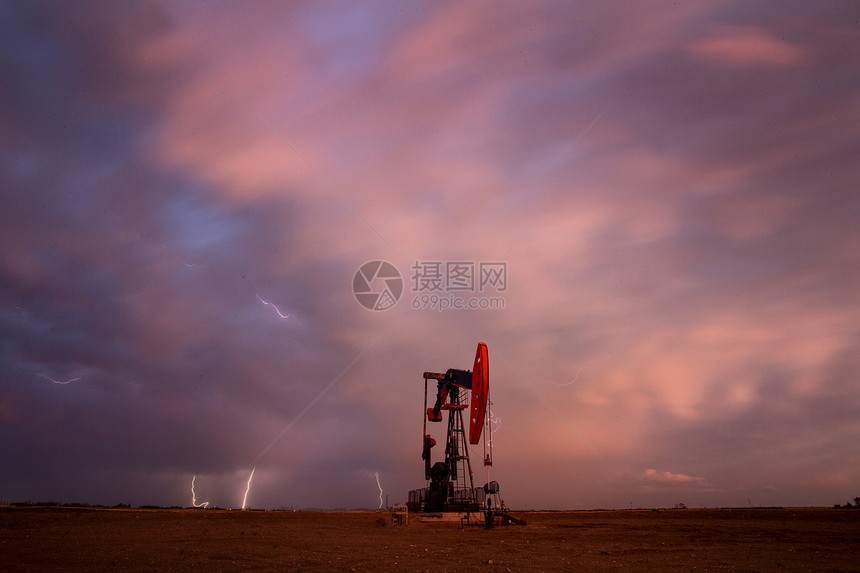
(466, 518)
(454, 517)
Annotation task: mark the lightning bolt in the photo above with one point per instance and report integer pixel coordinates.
(203, 504)
(376, 475)
(496, 422)
(60, 381)
(273, 306)
(248, 488)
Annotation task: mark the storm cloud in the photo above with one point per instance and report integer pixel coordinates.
(187, 191)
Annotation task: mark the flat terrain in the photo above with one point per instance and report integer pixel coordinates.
(39, 539)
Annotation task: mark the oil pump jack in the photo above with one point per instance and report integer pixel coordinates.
(451, 487)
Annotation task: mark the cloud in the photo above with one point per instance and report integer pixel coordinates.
(669, 479)
(747, 46)
(677, 217)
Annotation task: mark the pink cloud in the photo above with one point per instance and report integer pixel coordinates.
(669, 478)
(747, 46)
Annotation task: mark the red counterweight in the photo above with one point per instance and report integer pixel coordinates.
(480, 390)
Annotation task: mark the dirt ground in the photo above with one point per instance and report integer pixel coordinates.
(41, 539)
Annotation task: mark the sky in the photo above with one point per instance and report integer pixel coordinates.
(648, 211)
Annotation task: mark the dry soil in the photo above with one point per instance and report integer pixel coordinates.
(41, 539)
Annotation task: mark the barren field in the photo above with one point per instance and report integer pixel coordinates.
(38, 539)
